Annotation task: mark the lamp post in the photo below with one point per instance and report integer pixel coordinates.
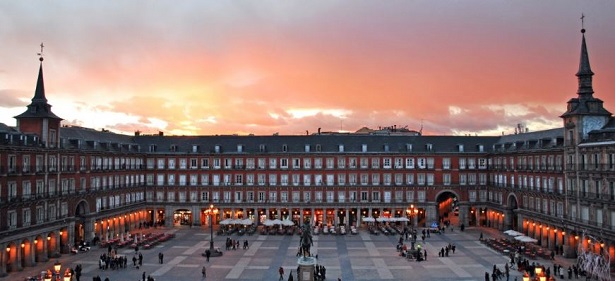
(67, 275)
(56, 267)
(211, 212)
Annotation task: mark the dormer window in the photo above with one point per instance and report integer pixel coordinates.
(409, 147)
(318, 148)
(385, 148)
(239, 148)
(460, 148)
(217, 148)
(364, 148)
(284, 148)
(429, 147)
(195, 148)
(262, 148)
(152, 148)
(341, 148)
(307, 148)
(173, 148)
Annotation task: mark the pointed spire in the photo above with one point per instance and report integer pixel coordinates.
(39, 93)
(585, 72)
(39, 108)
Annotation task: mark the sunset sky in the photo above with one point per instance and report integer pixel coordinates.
(261, 67)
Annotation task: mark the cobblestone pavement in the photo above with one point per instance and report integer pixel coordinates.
(349, 257)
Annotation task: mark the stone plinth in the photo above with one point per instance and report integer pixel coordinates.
(307, 265)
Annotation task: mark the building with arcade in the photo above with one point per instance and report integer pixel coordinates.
(60, 185)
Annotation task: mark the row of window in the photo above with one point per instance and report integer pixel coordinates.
(67, 163)
(116, 201)
(593, 161)
(313, 179)
(525, 162)
(44, 213)
(287, 196)
(313, 163)
(538, 183)
(44, 188)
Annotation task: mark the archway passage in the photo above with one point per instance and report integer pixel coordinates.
(81, 211)
(511, 214)
(448, 208)
(182, 217)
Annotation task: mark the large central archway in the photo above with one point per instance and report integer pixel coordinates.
(447, 204)
(511, 222)
(81, 211)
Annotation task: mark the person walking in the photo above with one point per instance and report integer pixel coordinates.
(204, 272)
(160, 257)
(207, 254)
(281, 271)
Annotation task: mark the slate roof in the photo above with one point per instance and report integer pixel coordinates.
(317, 143)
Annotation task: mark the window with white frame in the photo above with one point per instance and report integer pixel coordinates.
(330, 163)
(410, 179)
(375, 196)
(12, 219)
(318, 196)
(386, 163)
(421, 195)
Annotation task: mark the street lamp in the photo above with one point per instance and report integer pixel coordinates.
(211, 212)
(56, 267)
(67, 275)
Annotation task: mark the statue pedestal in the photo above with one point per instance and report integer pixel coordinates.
(307, 265)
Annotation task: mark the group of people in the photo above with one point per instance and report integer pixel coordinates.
(107, 261)
(234, 244)
(445, 250)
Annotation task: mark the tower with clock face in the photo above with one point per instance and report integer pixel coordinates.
(585, 113)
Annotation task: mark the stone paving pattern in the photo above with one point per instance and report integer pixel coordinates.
(349, 257)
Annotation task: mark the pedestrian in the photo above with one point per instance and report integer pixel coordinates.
(204, 272)
(425, 254)
(160, 257)
(281, 271)
(481, 236)
(290, 276)
(207, 254)
(143, 275)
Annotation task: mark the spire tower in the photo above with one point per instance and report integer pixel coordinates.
(38, 118)
(585, 113)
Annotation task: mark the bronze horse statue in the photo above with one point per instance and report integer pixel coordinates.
(306, 239)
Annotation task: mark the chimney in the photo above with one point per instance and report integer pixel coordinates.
(160, 133)
(137, 133)
(319, 131)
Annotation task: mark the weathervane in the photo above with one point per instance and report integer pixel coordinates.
(41, 53)
(582, 22)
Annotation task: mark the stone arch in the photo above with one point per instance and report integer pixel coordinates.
(53, 249)
(26, 253)
(39, 248)
(11, 257)
(81, 212)
(511, 219)
(446, 202)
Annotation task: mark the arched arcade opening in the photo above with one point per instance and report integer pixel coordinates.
(448, 207)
